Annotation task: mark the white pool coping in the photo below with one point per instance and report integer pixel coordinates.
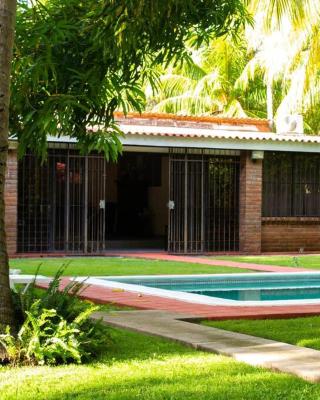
(104, 281)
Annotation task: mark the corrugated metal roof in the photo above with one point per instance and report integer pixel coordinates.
(220, 133)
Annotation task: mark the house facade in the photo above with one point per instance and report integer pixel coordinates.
(187, 185)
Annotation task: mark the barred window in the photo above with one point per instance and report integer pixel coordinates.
(291, 185)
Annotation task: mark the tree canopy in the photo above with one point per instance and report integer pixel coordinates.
(76, 62)
(207, 84)
(272, 69)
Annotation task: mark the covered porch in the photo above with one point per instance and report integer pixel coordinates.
(180, 200)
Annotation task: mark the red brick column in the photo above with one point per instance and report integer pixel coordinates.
(250, 203)
(11, 201)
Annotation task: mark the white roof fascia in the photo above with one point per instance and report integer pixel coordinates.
(221, 139)
(217, 143)
(207, 143)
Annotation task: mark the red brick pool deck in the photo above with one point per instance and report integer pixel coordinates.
(102, 295)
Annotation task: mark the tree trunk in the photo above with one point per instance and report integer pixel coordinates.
(270, 101)
(7, 24)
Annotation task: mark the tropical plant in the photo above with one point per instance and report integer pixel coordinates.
(47, 338)
(54, 325)
(274, 11)
(284, 47)
(205, 83)
(272, 71)
(64, 300)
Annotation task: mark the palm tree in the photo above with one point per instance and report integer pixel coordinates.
(272, 71)
(7, 21)
(269, 52)
(273, 11)
(284, 44)
(205, 84)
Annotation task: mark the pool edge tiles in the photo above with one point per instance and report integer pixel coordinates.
(117, 282)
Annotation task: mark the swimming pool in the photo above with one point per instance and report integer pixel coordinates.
(235, 289)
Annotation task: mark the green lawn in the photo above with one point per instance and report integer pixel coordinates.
(84, 266)
(305, 261)
(146, 368)
(303, 332)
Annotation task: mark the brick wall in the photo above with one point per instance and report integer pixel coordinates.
(290, 234)
(11, 197)
(250, 203)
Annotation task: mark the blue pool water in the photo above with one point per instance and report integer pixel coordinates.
(242, 287)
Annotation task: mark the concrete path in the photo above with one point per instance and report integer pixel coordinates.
(164, 256)
(255, 351)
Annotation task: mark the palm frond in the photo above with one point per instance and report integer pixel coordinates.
(187, 104)
(235, 109)
(275, 11)
(172, 85)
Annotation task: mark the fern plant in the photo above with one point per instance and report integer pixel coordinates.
(64, 301)
(42, 340)
(55, 326)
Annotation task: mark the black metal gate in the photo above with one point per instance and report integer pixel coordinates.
(61, 204)
(204, 202)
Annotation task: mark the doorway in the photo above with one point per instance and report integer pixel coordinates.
(204, 202)
(137, 195)
(83, 204)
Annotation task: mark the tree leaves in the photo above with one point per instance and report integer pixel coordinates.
(208, 83)
(75, 63)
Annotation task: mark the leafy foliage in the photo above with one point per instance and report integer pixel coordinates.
(271, 70)
(206, 83)
(284, 47)
(47, 338)
(75, 62)
(64, 301)
(55, 326)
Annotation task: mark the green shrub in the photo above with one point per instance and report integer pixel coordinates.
(54, 326)
(65, 301)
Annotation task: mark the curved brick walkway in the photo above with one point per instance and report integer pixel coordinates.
(102, 295)
(202, 260)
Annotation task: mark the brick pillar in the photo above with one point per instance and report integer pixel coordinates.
(250, 203)
(11, 201)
